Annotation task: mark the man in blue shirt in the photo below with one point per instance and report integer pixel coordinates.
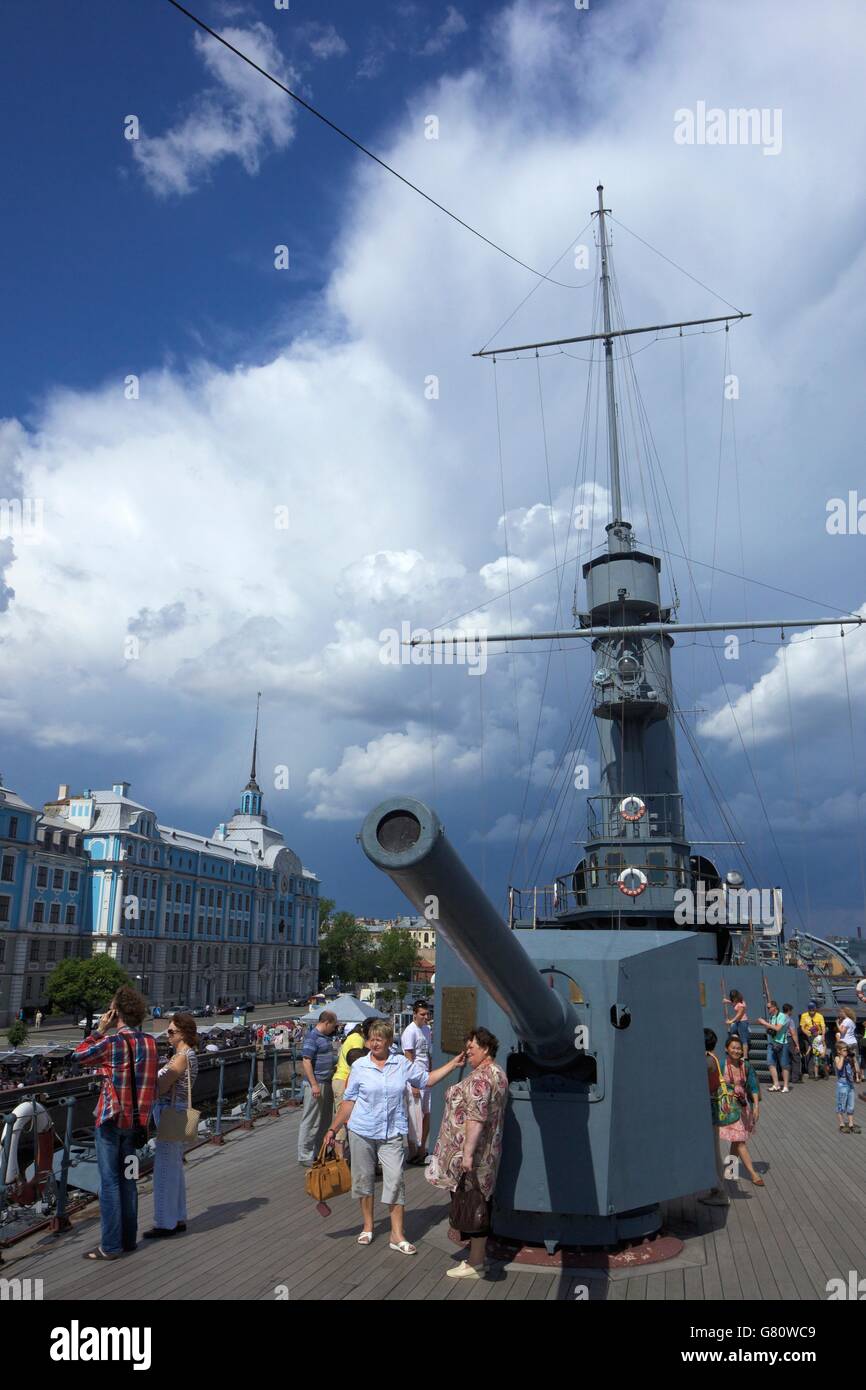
(319, 1061)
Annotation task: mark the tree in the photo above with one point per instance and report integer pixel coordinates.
(396, 957)
(326, 907)
(17, 1033)
(86, 985)
(344, 949)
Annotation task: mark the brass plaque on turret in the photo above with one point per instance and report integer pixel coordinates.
(458, 1016)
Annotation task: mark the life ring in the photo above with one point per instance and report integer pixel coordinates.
(632, 808)
(24, 1188)
(630, 872)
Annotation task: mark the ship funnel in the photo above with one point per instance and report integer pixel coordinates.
(405, 839)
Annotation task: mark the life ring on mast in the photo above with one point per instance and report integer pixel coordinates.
(24, 1189)
(632, 808)
(632, 881)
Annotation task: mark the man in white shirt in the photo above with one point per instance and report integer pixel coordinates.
(417, 1044)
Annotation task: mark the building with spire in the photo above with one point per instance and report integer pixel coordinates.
(192, 919)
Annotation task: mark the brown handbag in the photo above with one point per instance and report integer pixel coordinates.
(469, 1211)
(179, 1125)
(328, 1177)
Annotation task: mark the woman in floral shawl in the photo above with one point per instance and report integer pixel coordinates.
(470, 1139)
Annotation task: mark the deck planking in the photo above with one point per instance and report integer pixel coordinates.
(255, 1236)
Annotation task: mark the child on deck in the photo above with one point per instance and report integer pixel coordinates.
(844, 1068)
(818, 1056)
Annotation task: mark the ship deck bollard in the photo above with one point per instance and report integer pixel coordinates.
(218, 1137)
(247, 1121)
(60, 1221)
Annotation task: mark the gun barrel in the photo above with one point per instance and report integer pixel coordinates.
(405, 839)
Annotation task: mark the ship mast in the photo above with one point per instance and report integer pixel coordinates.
(610, 386)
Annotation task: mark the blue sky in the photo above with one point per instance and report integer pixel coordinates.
(113, 269)
(305, 389)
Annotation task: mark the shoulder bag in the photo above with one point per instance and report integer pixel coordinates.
(175, 1126)
(723, 1102)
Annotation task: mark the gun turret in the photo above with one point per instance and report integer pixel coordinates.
(405, 838)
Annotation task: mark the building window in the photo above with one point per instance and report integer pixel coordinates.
(247, 902)
(51, 950)
(57, 879)
(34, 952)
(219, 898)
(73, 881)
(70, 915)
(13, 827)
(187, 894)
(186, 922)
(54, 913)
(177, 892)
(29, 990)
(177, 921)
(210, 898)
(7, 873)
(67, 949)
(151, 921)
(41, 877)
(39, 912)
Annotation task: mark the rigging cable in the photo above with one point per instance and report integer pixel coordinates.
(797, 793)
(363, 148)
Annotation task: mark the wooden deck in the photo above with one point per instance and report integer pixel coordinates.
(255, 1235)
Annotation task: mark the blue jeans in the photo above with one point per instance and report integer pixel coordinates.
(118, 1192)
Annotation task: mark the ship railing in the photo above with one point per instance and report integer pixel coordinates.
(620, 817)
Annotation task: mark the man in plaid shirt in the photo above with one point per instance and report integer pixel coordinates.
(113, 1058)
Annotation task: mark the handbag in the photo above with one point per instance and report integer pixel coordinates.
(175, 1126)
(723, 1102)
(469, 1212)
(329, 1176)
(139, 1131)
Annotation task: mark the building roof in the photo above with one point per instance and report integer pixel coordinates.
(12, 799)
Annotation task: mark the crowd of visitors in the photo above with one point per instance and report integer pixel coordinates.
(800, 1051)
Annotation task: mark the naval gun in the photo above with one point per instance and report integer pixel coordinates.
(600, 1037)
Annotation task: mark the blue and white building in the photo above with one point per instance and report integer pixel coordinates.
(191, 918)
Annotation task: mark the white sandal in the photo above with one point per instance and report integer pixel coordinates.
(365, 1238)
(404, 1247)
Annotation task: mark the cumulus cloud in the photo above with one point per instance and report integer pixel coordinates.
(384, 766)
(804, 686)
(240, 116)
(369, 503)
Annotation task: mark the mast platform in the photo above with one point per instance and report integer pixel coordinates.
(254, 1235)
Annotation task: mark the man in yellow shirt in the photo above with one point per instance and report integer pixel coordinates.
(811, 1022)
(341, 1075)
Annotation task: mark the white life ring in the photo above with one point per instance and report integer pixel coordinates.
(24, 1121)
(632, 808)
(630, 872)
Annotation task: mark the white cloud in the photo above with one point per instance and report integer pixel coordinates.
(388, 765)
(394, 501)
(325, 42)
(452, 25)
(805, 686)
(242, 116)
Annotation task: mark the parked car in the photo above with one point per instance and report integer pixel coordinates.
(297, 1001)
(226, 1009)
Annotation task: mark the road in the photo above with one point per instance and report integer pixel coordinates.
(65, 1032)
